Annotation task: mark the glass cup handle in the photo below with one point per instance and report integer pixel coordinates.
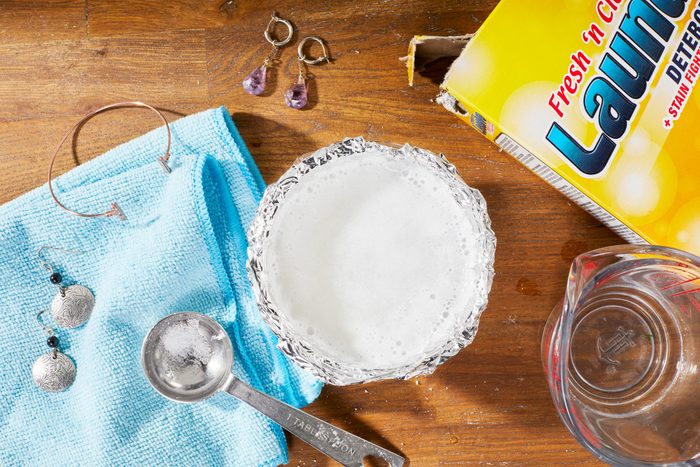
(344, 447)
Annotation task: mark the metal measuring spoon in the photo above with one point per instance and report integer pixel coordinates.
(187, 357)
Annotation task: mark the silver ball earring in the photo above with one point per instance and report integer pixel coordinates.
(73, 304)
(53, 371)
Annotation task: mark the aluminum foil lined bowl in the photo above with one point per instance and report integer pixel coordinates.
(296, 342)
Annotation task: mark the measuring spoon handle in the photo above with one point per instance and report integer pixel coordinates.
(337, 444)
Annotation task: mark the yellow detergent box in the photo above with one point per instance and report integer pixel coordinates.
(596, 97)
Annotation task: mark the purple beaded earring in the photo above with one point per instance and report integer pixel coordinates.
(296, 96)
(254, 83)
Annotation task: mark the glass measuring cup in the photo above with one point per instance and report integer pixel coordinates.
(621, 355)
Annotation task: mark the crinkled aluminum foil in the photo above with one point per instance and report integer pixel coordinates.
(294, 345)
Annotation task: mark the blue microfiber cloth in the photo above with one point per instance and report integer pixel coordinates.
(182, 248)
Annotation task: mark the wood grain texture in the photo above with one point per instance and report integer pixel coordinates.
(489, 405)
(42, 20)
(144, 17)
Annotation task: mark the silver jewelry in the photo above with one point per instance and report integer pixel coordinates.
(297, 95)
(53, 371)
(254, 83)
(73, 304)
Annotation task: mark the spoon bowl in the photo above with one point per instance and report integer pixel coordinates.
(187, 357)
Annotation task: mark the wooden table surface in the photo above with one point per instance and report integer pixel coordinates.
(490, 404)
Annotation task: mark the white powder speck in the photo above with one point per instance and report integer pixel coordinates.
(184, 343)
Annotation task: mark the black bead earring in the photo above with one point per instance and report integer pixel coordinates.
(73, 304)
(53, 371)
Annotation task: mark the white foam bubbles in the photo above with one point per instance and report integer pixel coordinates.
(376, 259)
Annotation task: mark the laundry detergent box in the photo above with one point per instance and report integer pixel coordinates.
(596, 97)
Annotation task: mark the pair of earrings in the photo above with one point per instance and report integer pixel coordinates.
(72, 306)
(296, 96)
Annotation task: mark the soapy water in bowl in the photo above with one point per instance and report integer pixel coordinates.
(373, 261)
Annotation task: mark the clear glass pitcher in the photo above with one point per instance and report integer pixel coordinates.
(621, 353)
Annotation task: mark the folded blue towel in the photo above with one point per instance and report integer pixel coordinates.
(183, 248)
